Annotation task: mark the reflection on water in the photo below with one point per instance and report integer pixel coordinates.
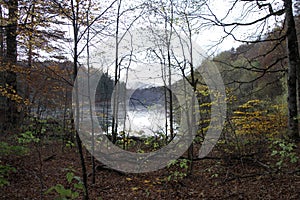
(137, 120)
(146, 121)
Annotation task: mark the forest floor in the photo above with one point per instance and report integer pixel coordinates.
(219, 177)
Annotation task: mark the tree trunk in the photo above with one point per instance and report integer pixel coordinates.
(1, 36)
(2, 77)
(293, 64)
(114, 128)
(75, 12)
(11, 114)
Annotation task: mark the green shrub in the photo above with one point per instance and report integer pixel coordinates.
(4, 172)
(68, 193)
(284, 151)
(6, 150)
(183, 165)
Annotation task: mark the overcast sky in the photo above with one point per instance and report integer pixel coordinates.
(142, 72)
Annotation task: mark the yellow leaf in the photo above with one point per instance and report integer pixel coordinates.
(134, 188)
(128, 179)
(147, 181)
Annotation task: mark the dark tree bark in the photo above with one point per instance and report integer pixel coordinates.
(2, 77)
(11, 114)
(75, 24)
(11, 31)
(1, 36)
(293, 69)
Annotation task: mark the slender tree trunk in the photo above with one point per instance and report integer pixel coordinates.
(1, 36)
(2, 73)
(75, 16)
(166, 107)
(170, 75)
(293, 69)
(89, 96)
(116, 88)
(26, 87)
(194, 85)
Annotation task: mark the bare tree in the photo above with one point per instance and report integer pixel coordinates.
(260, 24)
(78, 21)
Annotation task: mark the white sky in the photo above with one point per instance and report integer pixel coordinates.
(220, 9)
(207, 37)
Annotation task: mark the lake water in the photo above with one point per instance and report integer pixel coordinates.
(137, 121)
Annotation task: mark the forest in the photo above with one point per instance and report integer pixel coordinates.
(156, 99)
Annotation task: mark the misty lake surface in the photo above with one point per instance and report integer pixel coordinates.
(136, 121)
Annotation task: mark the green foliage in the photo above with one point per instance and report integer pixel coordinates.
(71, 192)
(6, 149)
(63, 192)
(4, 172)
(28, 137)
(70, 144)
(284, 151)
(45, 128)
(155, 142)
(183, 165)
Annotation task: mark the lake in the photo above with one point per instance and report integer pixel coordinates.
(137, 120)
